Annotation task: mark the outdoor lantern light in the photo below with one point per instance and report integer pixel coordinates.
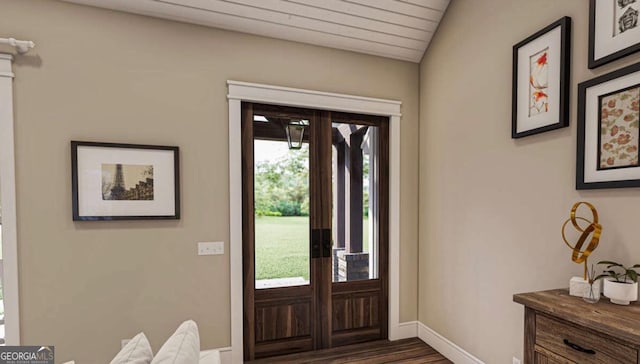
(295, 133)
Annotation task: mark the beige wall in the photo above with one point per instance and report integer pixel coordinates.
(491, 207)
(107, 76)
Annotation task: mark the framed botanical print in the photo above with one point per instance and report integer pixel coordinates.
(614, 31)
(113, 181)
(609, 130)
(541, 74)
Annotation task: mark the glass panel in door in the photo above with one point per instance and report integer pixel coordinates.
(281, 198)
(355, 171)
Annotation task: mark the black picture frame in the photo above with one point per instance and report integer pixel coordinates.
(589, 159)
(156, 172)
(601, 36)
(559, 118)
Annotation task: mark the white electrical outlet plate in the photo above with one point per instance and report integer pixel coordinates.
(124, 342)
(211, 248)
(516, 360)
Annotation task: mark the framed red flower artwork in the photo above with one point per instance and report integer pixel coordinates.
(541, 80)
(609, 130)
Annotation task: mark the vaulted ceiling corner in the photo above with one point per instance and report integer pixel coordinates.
(398, 29)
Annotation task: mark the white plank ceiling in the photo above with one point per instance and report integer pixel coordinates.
(399, 29)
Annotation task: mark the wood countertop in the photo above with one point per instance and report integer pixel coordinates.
(615, 320)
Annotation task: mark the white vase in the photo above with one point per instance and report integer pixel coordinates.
(621, 293)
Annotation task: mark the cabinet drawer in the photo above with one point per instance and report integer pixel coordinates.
(566, 340)
(541, 358)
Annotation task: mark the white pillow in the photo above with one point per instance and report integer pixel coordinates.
(137, 351)
(209, 357)
(183, 347)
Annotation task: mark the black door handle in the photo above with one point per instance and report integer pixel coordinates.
(320, 243)
(326, 243)
(316, 243)
(578, 347)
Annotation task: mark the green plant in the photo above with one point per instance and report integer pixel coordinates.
(619, 272)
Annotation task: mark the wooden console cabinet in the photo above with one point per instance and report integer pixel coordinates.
(562, 329)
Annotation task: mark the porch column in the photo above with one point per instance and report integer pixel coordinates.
(354, 199)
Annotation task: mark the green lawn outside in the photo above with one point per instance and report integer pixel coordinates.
(282, 246)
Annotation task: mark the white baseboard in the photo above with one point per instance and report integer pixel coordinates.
(405, 330)
(445, 347)
(225, 355)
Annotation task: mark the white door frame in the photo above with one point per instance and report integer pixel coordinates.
(8, 197)
(252, 92)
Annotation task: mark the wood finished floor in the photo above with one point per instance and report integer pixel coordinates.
(411, 351)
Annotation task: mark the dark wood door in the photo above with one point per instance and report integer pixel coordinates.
(360, 240)
(344, 298)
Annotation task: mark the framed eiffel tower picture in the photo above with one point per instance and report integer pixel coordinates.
(112, 181)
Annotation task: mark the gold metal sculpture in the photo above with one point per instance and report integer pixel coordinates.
(579, 255)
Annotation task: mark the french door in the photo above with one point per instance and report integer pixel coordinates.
(315, 228)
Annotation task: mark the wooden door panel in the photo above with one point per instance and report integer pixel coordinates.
(283, 293)
(384, 228)
(357, 315)
(248, 231)
(349, 337)
(283, 346)
(320, 219)
(355, 311)
(360, 306)
(279, 320)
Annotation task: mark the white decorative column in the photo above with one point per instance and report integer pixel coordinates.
(8, 201)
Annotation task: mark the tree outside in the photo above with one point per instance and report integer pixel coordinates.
(281, 198)
(282, 185)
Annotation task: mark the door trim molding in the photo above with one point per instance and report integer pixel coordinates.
(268, 94)
(8, 196)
